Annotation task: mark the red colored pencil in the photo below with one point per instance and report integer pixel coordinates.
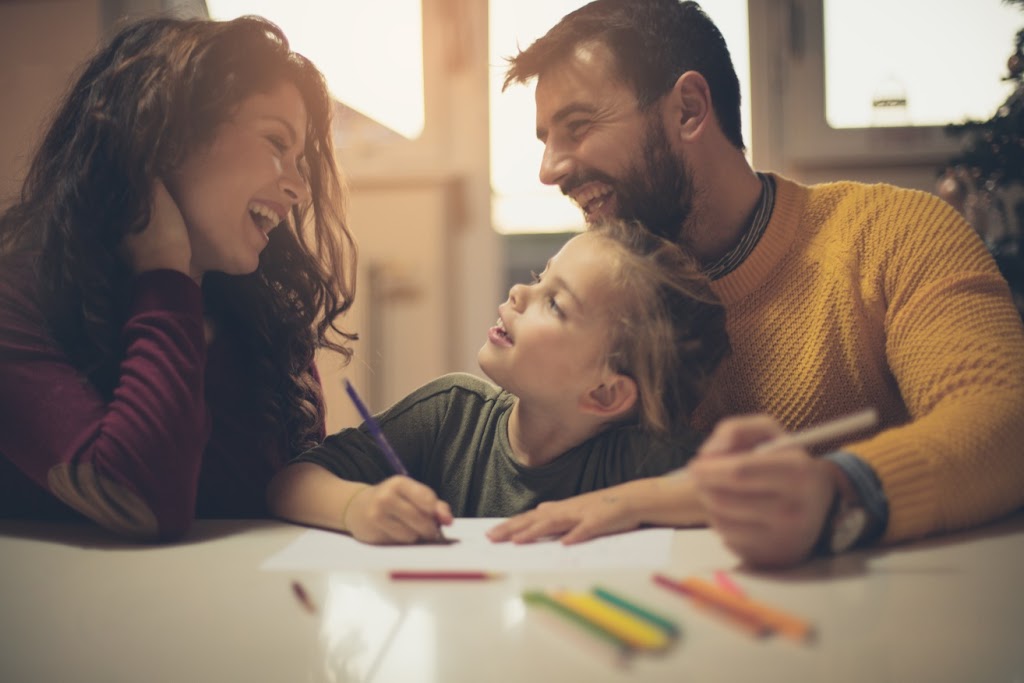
(303, 597)
(418, 575)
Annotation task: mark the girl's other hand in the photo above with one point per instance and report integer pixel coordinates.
(164, 243)
(397, 510)
(576, 519)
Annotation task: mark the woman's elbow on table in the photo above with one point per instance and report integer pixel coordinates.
(117, 507)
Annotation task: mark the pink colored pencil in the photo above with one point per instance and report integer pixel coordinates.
(723, 580)
(747, 622)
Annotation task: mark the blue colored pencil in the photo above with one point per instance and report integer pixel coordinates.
(375, 432)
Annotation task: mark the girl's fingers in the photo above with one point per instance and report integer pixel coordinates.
(443, 513)
(542, 528)
(396, 516)
(424, 525)
(505, 530)
(587, 529)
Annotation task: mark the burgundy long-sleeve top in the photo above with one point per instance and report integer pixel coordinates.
(179, 439)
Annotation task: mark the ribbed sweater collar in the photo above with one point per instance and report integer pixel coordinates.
(772, 248)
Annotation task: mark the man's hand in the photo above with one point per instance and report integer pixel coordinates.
(768, 506)
(575, 519)
(397, 510)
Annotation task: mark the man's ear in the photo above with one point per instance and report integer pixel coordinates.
(611, 399)
(690, 106)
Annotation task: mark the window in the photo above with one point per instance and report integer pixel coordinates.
(867, 85)
(371, 54)
(945, 69)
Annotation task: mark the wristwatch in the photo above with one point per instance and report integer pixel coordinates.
(847, 526)
(847, 521)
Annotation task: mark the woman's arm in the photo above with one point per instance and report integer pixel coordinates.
(132, 463)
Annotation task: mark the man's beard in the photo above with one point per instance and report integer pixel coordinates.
(658, 191)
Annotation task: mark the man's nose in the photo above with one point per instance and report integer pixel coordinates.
(555, 165)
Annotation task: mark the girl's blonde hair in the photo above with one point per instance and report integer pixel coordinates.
(667, 326)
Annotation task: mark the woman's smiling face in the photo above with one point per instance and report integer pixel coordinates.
(238, 188)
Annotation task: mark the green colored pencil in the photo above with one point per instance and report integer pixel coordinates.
(544, 600)
(661, 622)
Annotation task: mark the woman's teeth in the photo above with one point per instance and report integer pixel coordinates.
(264, 217)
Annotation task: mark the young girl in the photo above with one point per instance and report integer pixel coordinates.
(601, 361)
(176, 256)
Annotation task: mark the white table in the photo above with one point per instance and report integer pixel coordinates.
(76, 605)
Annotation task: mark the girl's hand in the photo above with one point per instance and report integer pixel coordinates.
(164, 243)
(575, 519)
(397, 510)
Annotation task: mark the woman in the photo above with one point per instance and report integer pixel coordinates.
(177, 254)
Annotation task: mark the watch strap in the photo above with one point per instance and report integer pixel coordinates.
(869, 492)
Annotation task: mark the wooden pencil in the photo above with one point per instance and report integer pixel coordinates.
(777, 620)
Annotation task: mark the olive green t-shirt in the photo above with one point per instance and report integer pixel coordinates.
(452, 435)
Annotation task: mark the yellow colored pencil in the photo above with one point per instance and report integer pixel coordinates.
(632, 630)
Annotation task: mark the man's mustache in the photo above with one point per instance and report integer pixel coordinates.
(572, 184)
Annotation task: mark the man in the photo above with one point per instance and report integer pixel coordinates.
(839, 296)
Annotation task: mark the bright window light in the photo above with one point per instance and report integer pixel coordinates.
(371, 53)
(916, 62)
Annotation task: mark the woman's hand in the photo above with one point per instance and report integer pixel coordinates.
(164, 243)
(397, 510)
(769, 507)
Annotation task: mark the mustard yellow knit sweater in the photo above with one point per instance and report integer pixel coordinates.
(871, 295)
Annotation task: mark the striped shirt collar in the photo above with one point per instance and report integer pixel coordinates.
(758, 223)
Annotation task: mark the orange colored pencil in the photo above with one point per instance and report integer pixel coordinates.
(745, 621)
(787, 624)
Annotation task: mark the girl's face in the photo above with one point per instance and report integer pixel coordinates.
(551, 340)
(237, 189)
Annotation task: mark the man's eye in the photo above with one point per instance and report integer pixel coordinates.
(534, 277)
(577, 127)
(553, 305)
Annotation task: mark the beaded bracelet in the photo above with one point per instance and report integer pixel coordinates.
(344, 512)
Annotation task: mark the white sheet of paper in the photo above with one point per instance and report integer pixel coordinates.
(325, 550)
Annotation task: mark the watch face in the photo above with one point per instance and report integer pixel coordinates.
(848, 528)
